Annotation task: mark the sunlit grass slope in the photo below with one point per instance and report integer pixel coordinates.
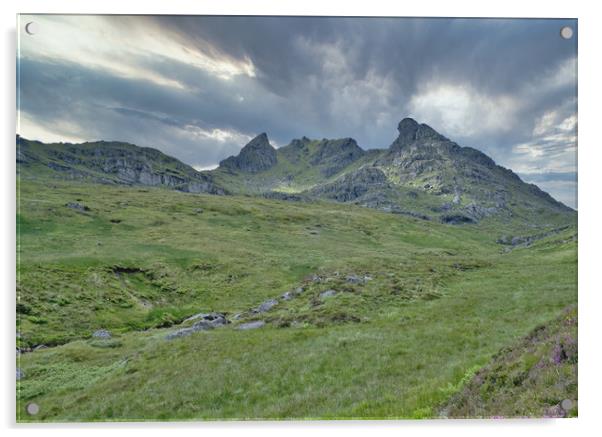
(137, 261)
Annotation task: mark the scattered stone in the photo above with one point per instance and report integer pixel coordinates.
(215, 319)
(267, 305)
(251, 325)
(327, 294)
(198, 211)
(277, 195)
(78, 206)
(184, 332)
(287, 296)
(40, 347)
(566, 404)
(354, 279)
(299, 290)
(555, 411)
(32, 409)
(20, 374)
(456, 219)
(312, 278)
(101, 333)
(528, 240)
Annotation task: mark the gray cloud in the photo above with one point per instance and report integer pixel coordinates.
(199, 87)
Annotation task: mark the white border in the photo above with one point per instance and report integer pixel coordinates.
(590, 116)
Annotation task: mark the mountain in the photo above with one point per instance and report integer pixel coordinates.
(110, 163)
(258, 155)
(422, 174)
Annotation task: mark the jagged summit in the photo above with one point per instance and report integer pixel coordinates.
(410, 131)
(422, 174)
(256, 156)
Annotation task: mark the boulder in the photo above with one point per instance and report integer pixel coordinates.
(287, 296)
(184, 332)
(215, 319)
(267, 305)
(328, 293)
(456, 219)
(251, 325)
(101, 333)
(77, 206)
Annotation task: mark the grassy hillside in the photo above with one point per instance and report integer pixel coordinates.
(432, 302)
(300, 166)
(537, 377)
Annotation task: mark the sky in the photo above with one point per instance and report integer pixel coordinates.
(199, 88)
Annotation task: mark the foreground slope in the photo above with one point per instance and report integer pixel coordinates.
(536, 377)
(394, 310)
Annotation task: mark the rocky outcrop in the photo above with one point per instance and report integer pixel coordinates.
(115, 163)
(352, 186)
(411, 132)
(257, 156)
(334, 155)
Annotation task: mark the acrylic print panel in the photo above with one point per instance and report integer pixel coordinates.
(243, 218)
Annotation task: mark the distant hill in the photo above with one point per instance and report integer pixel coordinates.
(111, 163)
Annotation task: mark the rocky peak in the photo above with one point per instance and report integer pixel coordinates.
(259, 144)
(334, 155)
(410, 131)
(340, 147)
(299, 143)
(258, 155)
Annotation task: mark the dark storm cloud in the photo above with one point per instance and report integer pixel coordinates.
(199, 87)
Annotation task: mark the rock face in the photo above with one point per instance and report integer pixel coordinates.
(411, 132)
(335, 155)
(114, 163)
(257, 156)
(353, 185)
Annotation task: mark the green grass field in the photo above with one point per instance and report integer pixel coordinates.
(442, 301)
